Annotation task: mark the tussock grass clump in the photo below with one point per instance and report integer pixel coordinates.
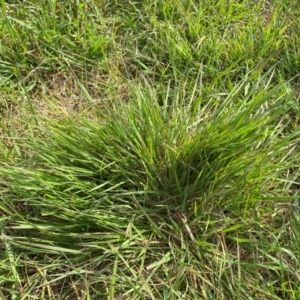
(156, 199)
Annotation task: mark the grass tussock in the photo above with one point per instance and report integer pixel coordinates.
(149, 150)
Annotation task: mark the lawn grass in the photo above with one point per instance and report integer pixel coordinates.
(149, 150)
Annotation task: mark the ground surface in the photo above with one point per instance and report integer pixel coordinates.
(149, 149)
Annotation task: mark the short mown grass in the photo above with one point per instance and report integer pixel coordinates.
(149, 150)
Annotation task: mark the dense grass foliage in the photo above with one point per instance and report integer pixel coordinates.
(149, 150)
